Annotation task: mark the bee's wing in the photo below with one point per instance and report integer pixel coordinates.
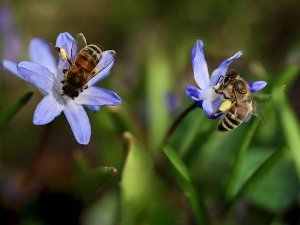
(78, 43)
(243, 108)
(257, 111)
(103, 63)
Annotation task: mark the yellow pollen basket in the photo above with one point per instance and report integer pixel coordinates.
(225, 105)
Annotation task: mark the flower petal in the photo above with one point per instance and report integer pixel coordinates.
(104, 66)
(98, 96)
(50, 107)
(222, 69)
(78, 121)
(94, 108)
(210, 107)
(193, 93)
(199, 65)
(12, 67)
(65, 41)
(40, 53)
(257, 85)
(38, 75)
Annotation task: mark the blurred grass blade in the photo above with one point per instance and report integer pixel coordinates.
(232, 187)
(177, 163)
(11, 110)
(257, 175)
(158, 82)
(139, 185)
(85, 185)
(184, 181)
(290, 125)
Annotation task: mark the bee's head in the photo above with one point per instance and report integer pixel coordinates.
(70, 92)
(230, 76)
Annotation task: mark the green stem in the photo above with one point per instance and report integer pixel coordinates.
(12, 110)
(35, 166)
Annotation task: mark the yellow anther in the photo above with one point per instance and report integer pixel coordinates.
(225, 106)
(63, 54)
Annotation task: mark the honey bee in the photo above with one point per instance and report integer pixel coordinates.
(238, 103)
(83, 66)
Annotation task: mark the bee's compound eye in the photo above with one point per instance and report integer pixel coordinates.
(227, 79)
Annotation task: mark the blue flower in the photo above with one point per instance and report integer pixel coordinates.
(206, 97)
(44, 73)
(11, 38)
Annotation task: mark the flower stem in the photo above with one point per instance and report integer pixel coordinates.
(34, 168)
(178, 121)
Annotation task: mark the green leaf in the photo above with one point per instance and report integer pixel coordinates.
(261, 174)
(184, 181)
(274, 185)
(11, 110)
(290, 125)
(233, 185)
(177, 163)
(139, 193)
(88, 183)
(103, 211)
(80, 161)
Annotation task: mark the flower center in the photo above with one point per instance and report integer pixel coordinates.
(210, 94)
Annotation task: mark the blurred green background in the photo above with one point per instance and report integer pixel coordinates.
(153, 41)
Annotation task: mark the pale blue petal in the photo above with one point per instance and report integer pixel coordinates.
(210, 107)
(38, 75)
(12, 67)
(64, 40)
(41, 53)
(222, 69)
(94, 108)
(104, 66)
(193, 93)
(257, 85)
(78, 121)
(201, 74)
(98, 96)
(207, 107)
(50, 107)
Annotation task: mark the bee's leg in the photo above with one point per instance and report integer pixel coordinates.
(223, 108)
(65, 70)
(225, 97)
(217, 90)
(95, 71)
(84, 87)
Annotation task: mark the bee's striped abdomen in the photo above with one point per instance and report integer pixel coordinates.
(229, 121)
(88, 58)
